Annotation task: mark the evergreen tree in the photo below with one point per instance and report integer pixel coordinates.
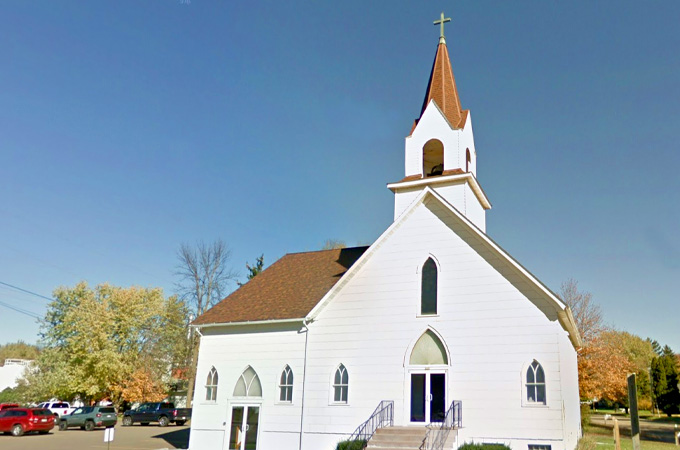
(665, 382)
(255, 269)
(655, 346)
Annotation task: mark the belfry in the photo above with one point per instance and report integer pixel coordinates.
(440, 150)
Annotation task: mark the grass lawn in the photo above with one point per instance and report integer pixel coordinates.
(605, 441)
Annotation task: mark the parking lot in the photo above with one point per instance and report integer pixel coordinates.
(125, 438)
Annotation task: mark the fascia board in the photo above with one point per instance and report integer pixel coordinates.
(469, 177)
(251, 322)
(356, 267)
(565, 318)
(564, 314)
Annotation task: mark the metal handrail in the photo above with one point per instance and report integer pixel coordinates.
(436, 435)
(383, 416)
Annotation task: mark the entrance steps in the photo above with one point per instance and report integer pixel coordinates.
(404, 438)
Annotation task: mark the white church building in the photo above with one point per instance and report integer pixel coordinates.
(433, 326)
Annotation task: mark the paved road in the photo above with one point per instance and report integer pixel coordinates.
(652, 431)
(126, 438)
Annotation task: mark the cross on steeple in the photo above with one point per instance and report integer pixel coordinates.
(441, 23)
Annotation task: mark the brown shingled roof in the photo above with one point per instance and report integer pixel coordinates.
(442, 89)
(288, 289)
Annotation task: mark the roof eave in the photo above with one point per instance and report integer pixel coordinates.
(474, 184)
(246, 323)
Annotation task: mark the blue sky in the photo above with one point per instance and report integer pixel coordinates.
(129, 127)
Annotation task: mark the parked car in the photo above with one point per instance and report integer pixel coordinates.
(162, 412)
(18, 421)
(4, 406)
(59, 409)
(90, 417)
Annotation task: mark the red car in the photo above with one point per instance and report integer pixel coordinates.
(18, 421)
(4, 406)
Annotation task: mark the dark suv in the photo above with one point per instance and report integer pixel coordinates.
(24, 420)
(162, 412)
(89, 417)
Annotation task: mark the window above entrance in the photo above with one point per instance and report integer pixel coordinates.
(248, 384)
(428, 351)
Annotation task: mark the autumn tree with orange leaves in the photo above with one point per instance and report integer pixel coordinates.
(607, 356)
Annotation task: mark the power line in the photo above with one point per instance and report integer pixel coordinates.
(26, 291)
(21, 311)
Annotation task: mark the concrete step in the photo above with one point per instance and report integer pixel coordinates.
(397, 438)
(404, 438)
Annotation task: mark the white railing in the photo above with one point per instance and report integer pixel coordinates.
(18, 362)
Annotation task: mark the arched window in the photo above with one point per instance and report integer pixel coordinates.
(211, 386)
(286, 385)
(340, 385)
(535, 384)
(433, 158)
(468, 160)
(248, 384)
(429, 350)
(428, 288)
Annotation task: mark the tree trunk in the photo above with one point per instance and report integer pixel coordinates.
(193, 361)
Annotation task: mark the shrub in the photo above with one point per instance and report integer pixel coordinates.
(351, 445)
(586, 443)
(586, 412)
(473, 446)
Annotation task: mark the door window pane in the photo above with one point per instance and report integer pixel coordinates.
(251, 427)
(236, 424)
(438, 394)
(418, 397)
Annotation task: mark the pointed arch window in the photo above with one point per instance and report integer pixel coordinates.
(428, 288)
(468, 160)
(340, 385)
(248, 384)
(535, 384)
(211, 385)
(286, 385)
(429, 350)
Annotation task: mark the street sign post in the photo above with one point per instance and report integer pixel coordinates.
(108, 436)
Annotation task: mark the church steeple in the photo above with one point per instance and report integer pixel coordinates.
(442, 84)
(440, 151)
(442, 88)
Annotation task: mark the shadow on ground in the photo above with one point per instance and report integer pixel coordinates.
(176, 438)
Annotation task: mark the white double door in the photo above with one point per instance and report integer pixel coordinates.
(428, 396)
(245, 421)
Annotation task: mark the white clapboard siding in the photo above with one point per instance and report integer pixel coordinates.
(491, 328)
(493, 322)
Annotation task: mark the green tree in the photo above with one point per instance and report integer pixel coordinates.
(665, 383)
(655, 346)
(639, 353)
(97, 340)
(255, 269)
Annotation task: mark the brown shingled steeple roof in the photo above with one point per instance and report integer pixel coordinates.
(442, 89)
